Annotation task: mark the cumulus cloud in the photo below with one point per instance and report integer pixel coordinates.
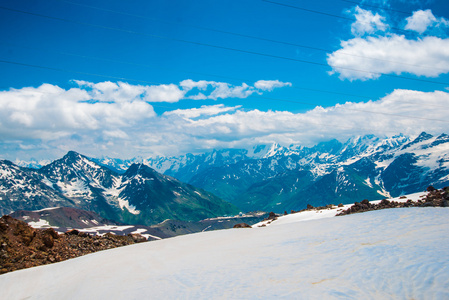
(224, 90)
(163, 93)
(396, 54)
(216, 90)
(421, 20)
(49, 118)
(220, 90)
(376, 51)
(240, 127)
(49, 112)
(205, 110)
(110, 91)
(367, 22)
(269, 85)
(107, 115)
(189, 84)
(198, 90)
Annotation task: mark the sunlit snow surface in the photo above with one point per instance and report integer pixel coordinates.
(328, 213)
(386, 254)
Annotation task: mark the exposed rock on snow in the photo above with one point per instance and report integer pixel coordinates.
(435, 198)
(242, 225)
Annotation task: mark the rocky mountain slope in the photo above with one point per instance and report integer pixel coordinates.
(22, 246)
(139, 196)
(22, 188)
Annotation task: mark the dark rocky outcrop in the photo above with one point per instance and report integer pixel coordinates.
(242, 225)
(22, 246)
(434, 198)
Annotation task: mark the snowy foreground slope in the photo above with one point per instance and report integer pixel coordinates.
(387, 254)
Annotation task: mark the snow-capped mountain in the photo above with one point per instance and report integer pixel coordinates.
(278, 178)
(362, 168)
(273, 177)
(22, 188)
(139, 196)
(184, 166)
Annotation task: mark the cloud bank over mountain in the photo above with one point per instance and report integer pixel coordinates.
(118, 118)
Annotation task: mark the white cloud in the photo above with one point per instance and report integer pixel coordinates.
(218, 126)
(224, 90)
(119, 134)
(106, 116)
(189, 84)
(204, 110)
(220, 90)
(380, 117)
(422, 20)
(216, 90)
(49, 112)
(269, 85)
(428, 56)
(199, 96)
(109, 91)
(367, 22)
(122, 92)
(163, 93)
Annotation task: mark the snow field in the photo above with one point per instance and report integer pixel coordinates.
(386, 254)
(327, 213)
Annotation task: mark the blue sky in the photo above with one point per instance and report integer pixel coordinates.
(145, 78)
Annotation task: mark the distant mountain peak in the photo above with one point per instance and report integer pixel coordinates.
(140, 169)
(421, 138)
(72, 155)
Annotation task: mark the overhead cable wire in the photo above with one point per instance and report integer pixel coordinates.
(186, 71)
(248, 36)
(177, 70)
(73, 71)
(159, 83)
(219, 47)
(117, 61)
(82, 73)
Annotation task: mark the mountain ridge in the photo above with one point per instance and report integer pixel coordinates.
(363, 165)
(133, 197)
(278, 178)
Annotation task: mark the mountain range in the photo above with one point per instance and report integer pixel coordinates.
(265, 177)
(138, 196)
(277, 178)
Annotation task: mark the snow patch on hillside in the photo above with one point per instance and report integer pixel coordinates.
(42, 224)
(125, 203)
